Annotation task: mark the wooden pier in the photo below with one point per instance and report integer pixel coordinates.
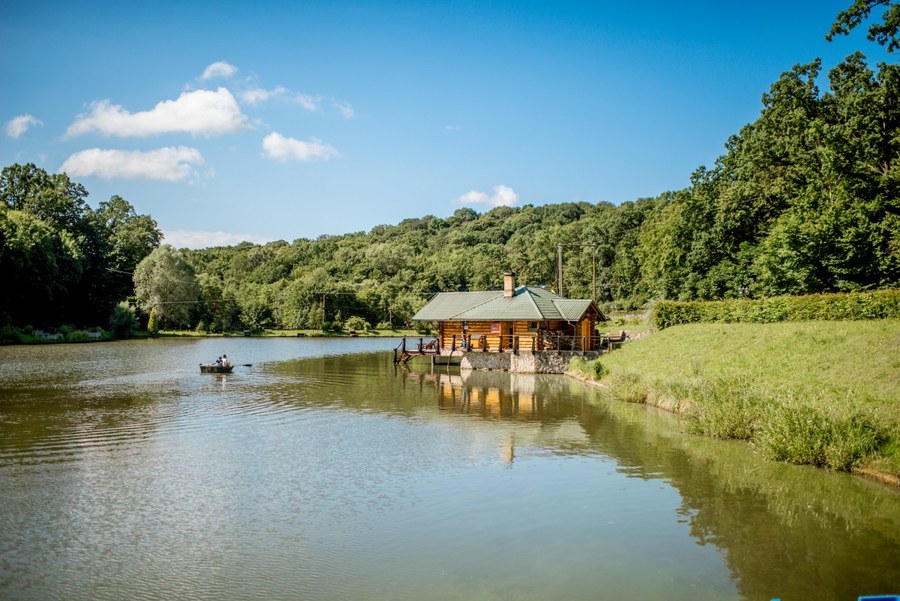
(405, 351)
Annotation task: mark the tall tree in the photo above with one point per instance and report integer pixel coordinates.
(885, 33)
(165, 284)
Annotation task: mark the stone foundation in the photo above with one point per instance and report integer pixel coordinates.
(527, 362)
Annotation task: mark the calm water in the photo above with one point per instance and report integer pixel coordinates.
(322, 472)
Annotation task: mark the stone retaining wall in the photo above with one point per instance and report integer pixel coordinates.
(528, 362)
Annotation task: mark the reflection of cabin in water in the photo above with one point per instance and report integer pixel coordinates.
(513, 319)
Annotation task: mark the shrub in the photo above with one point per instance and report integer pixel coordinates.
(357, 323)
(10, 335)
(384, 325)
(123, 321)
(153, 323)
(77, 336)
(592, 370)
(879, 304)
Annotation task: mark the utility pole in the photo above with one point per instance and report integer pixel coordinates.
(559, 262)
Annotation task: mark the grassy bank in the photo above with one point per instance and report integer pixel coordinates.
(821, 393)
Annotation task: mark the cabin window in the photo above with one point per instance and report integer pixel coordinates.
(495, 327)
(534, 325)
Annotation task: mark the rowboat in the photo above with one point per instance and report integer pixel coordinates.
(212, 368)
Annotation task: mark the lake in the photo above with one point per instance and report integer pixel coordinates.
(322, 471)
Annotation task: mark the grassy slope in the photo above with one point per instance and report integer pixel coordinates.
(754, 380)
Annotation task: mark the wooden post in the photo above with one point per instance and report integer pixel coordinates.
(559, 259)
(453, 344)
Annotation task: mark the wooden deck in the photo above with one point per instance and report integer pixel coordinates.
(409, 348)
(406, 350)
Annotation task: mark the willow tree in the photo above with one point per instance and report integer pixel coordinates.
(165, 284)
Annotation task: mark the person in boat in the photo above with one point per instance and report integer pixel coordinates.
(218, 361)
(225, 361)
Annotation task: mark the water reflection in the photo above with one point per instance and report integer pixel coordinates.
(785, 531)
(343, 477)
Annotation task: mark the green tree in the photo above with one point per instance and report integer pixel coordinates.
(885, 33)
(165, 284)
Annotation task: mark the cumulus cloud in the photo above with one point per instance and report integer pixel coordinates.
(503, 196)
(171, 164)
(278, 147)
(201, 112)
(17, 126)
(219, 69)
(201, 239)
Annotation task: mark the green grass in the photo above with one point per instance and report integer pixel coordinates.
(822, 393)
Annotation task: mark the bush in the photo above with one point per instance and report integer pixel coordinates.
(879, 304)
(77, 336)
(10, 335)
(331, 326)
(153, 323)
(592, 370)
(358, 324)
(123, 321)
(384, 325)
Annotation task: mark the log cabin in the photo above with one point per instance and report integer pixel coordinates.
(511, 319)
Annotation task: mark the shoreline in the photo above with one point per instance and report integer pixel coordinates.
(672, 406)
(191, 334)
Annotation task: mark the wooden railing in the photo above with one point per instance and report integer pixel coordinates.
(541, 341)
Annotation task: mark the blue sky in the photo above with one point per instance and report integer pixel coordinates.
(261, 121)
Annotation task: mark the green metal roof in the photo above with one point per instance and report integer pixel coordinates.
(526, 304)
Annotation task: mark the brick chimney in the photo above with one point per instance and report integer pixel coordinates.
(509, 284)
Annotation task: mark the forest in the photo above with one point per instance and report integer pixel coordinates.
(805, 199)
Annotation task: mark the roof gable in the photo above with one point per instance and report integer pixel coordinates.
(526, 304)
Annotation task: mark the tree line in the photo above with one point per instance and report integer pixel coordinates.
(805, 199)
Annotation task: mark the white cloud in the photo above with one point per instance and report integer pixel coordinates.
(171, 164)
(258, 95)
(310, 103)
(275, 146)
(219, 69)
(503, 196)
(17, 126)
(201, 112)
(200, 239)
(345, 109)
